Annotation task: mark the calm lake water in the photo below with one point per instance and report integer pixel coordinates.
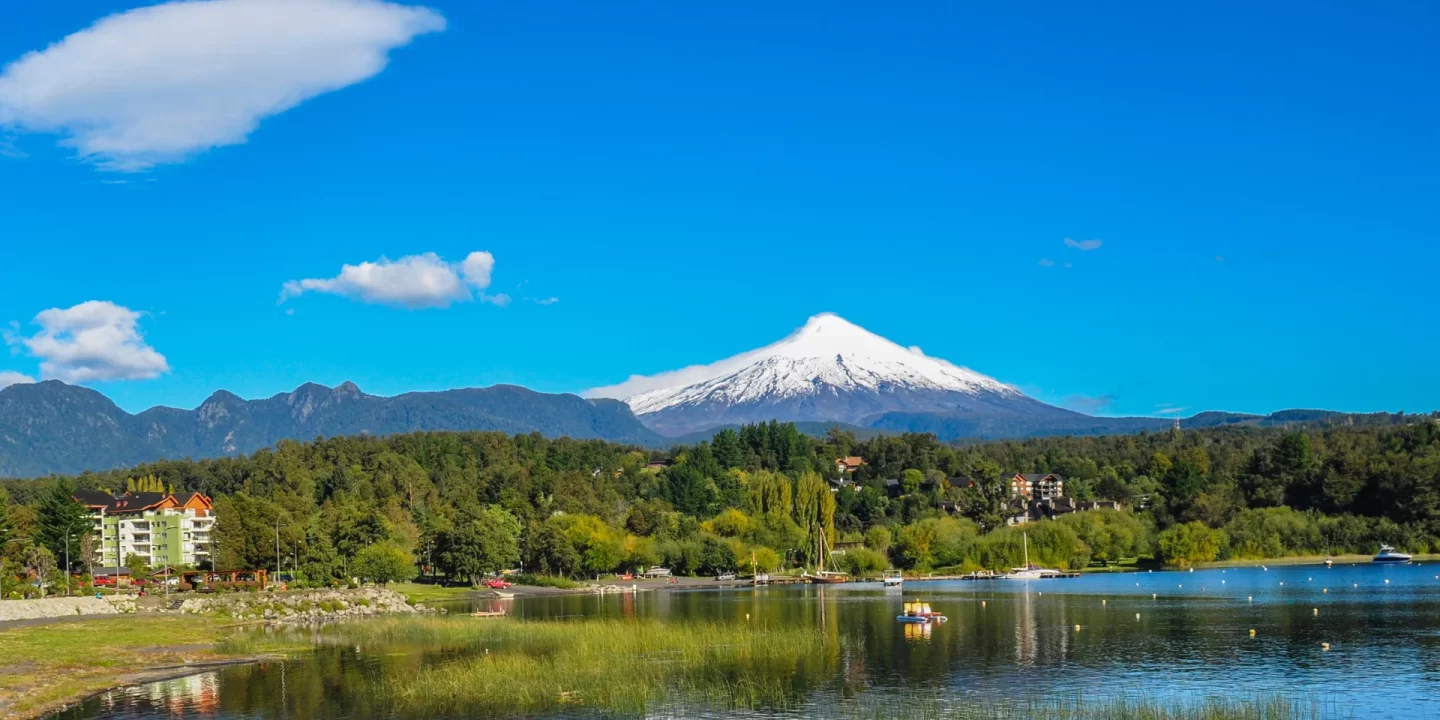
(1161, 635)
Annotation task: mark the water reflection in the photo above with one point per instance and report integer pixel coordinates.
(1003, 638)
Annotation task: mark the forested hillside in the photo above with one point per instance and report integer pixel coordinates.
(469, 503)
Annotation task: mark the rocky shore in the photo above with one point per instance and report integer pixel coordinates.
(300, 606)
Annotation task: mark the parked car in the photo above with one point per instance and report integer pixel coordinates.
(725, 577)
(657, 572)
(498, 584)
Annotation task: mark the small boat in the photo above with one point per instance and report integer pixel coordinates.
(823, 576)
(919, 612)
(1030, 572)
(1387, 554)
(892, 579)
(1329, 561)
(488, 613)
(502, 594)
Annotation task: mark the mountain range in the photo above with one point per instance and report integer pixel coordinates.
(52, 427)
(829, 372)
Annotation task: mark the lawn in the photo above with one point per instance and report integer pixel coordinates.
(44, 666)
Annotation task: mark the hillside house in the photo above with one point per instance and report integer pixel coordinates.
(849, 464)
(1037, 486)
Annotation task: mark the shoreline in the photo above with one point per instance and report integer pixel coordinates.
(48, 666)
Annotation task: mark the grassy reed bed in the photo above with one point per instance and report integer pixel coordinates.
(609, 665)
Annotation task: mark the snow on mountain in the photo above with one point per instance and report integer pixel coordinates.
(828, 370)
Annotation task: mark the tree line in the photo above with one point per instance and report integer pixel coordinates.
(465, 504)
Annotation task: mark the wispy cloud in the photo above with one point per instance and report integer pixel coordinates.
(1083, 244)
(158, 84)
(95, 340)
(10, 377)
(1219, 258)
(1046, 262)
(1170, 410)
(1089, 404)
(545, 301)
(413, 282)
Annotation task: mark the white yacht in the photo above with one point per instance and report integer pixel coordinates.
(1387, 554)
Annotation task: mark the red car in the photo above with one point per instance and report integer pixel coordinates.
(497, 584)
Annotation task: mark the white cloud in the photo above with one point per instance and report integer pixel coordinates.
(1046, 262)
(157, 84)
(545, 301)
(1170, 410)
(413, 282)
(95, 340)
(9, 377)
(1083, 244)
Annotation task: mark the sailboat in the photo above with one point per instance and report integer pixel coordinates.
(1029, 572)
(823, 576)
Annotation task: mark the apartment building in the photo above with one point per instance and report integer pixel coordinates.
(166, 530)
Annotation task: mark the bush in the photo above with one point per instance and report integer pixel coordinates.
(862, 561)
(550, 581)
(1193, 542)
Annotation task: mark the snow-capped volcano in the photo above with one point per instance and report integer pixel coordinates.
(829, 370)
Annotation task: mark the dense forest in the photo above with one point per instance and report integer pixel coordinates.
(467, 504)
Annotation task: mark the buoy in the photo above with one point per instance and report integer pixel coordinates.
(1252, 632)
(1325, 647)
(1222, 582)
(1137, 616)
(1282, 582)
(1310, 579)
(1040, 594)
(1192, 569)
(1315, 611)
(1179, 586)
(1387, 581)
(747, 617)
(1102, 602)
(1325, 590)
(1077, 628)
(1357, 585)
(1153, 596)
(982, 603)
(1250, 598)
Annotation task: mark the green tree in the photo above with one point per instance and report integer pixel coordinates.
(987, 500)
(41, 562)
(1190, 543)
(384, 563)
(910, 481)
(550, 552)
(62, 522)
(815, 512)
(139, 567)
(486, 542)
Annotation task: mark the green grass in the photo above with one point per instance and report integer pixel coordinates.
(46, 665)
(615, 666)
(429, 592)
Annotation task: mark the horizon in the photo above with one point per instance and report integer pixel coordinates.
(1149, 212)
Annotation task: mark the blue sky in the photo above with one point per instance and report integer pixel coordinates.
(663, 184)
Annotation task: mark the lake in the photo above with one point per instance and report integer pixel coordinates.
(1161, 635)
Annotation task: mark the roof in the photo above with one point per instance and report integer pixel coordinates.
(1037, 477)
(892, 482)
(108, 571)
(92, 498)
(852, 460)
(133, 502)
